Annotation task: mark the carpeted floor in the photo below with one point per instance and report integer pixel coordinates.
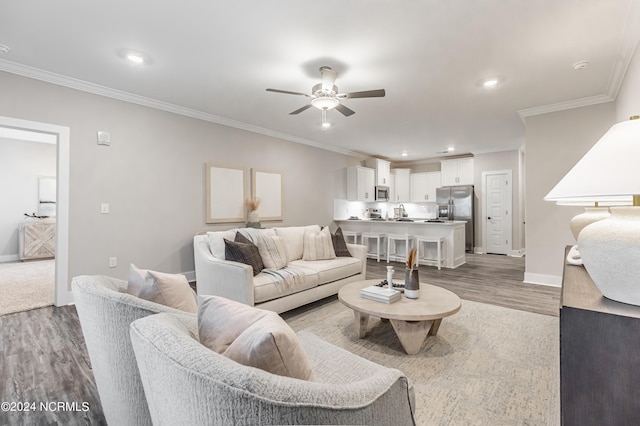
(26, 285)
(488, 365)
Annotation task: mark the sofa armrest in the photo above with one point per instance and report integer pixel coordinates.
(217, 277)
(359, 251)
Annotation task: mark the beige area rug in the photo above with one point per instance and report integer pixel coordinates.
(26, 285)
(488, 365)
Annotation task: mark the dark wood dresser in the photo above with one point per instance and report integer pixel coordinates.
(599, 355)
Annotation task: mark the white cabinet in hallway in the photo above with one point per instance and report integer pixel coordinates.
(402, 184)
(423, 186)
(457, 172)
(360, 184)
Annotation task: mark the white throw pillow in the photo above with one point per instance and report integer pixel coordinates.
(216, 242)
(251, 336)
(273, 252)
(171, 290)
(318, 245)
(294, 239)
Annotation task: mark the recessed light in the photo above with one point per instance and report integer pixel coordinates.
(4, 49)
(134, 57)
(490, 83)
(451, 149)
(404, 153)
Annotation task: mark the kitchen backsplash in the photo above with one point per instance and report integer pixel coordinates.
(343, 209)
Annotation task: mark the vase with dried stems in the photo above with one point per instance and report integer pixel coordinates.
(411, 281)
(253, 218)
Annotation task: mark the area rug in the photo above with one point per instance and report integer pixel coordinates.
(26, 285)
(488, 365)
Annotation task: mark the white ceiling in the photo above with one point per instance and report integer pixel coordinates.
(214, 60)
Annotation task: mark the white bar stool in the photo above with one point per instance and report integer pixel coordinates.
(392, 242)
(366, 236)
(351, 234)
(422, 254)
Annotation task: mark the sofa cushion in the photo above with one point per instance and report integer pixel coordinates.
(244, 252)
(216, 242)
(331, 270)
(294, 239)
(318, 245)
(270, 284)
(339, 244)
(166, 289)
(252, 336)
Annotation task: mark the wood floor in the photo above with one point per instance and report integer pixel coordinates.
(44, 358)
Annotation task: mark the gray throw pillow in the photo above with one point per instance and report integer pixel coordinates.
(245, 252)
(339, 244)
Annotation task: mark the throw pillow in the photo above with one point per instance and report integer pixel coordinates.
(244, 252)
(318, 245)
(171, 290)
(339, 244)
(216, 242)
(251, 336)
(273, 252)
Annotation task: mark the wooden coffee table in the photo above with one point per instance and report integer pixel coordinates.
(412, 319)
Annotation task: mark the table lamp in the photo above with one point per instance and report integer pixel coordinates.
(610, 248)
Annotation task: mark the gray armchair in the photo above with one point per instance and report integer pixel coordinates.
(186, 383)
(106, 311)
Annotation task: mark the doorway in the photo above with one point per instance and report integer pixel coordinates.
(62, 135)
(497, 211)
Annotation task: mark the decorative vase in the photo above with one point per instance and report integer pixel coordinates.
(610, 251)
(411, 284)
(253, 219)
(589, 216)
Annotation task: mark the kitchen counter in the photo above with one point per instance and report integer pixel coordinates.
(453, 232)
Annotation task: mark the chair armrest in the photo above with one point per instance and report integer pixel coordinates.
(359, 251)
(217, 277)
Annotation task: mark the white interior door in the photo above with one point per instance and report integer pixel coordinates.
(498, 209)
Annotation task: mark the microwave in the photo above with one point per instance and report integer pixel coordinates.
(382, 193)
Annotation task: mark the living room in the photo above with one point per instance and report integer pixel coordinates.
(152, 174)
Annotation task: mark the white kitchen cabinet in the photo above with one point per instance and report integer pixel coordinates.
(402, 184)
(360, 184)
(382, 171)
(423, 187)
(392, 187)
(457, 172)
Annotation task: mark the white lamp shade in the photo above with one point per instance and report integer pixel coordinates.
(610, 168)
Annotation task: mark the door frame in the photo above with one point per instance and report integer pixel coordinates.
(62, 294)
(509, 174)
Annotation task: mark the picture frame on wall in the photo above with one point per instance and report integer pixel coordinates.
(266, 186)
(224, 194)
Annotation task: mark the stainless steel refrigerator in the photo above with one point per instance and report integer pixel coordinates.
(456, 203)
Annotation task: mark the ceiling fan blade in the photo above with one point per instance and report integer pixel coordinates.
(344, 110)
(328, 79)
(287, 92)
(299, 110)
(366, 94)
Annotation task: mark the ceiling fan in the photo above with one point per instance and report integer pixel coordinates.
(324, 96)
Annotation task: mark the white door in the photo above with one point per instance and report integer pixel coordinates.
(498, 194)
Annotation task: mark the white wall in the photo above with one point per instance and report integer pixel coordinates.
(628, 99)
(21, 164)
(554, 143)
(153, 175)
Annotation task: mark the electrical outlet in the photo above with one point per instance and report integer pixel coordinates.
(113, 262)
(104, 208)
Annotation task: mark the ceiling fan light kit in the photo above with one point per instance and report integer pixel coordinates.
(324, 96)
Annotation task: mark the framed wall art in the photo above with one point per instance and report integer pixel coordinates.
(225, 194)
(267, 187)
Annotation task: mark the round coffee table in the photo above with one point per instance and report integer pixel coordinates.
(412, 319)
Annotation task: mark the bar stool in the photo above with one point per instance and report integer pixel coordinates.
(422, 255)
(366, 236)
(392, 240)
(351, 234)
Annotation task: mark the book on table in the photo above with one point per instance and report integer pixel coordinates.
(380, 294)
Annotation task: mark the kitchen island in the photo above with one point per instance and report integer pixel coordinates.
(453, 232)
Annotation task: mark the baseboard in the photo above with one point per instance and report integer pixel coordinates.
(541, 279)
(9, 258)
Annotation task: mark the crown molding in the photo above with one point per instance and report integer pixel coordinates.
(561, 106)
(84, 86)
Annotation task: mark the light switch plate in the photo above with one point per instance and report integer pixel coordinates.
(113, 262)
(104, 208)
(104, 138)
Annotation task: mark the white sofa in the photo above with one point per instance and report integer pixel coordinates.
(233, 280)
